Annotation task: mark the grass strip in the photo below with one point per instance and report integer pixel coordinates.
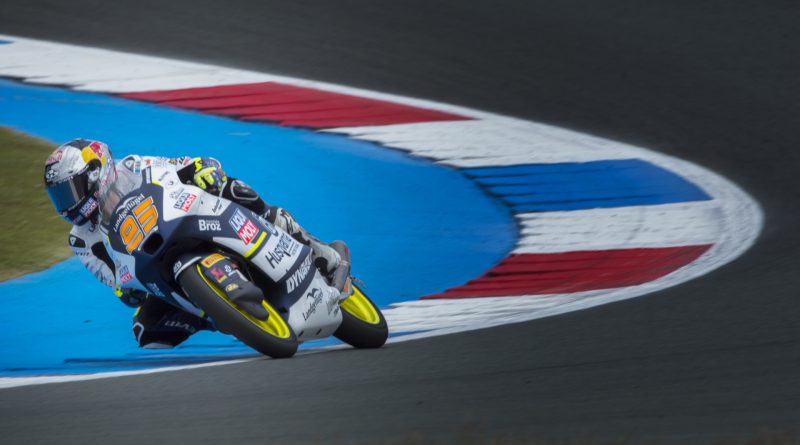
(32, 235)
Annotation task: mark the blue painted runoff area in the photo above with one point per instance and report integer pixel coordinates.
(413, 227)
(5, 42)
(585, 185)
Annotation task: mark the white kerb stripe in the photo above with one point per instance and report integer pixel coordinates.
(695, 223)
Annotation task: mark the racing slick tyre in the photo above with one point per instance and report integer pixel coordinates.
(363, 325)
(272, 337)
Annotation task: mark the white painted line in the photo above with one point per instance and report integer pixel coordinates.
(496, 141)
(669, 225)
(13, 382)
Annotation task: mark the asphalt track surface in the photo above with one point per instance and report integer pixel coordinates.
(713, 82)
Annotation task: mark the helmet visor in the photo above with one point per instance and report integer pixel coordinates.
(68, 193)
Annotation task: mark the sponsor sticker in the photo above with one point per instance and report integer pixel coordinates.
(333, 302)
(185, 201)
(125, 275)
(88, 207)
(55, 157)
(211, 260)
(176, 267)
(209, 225)
(287, 246)
(231, 287)
(51, 173)
(180, 325)
(154, 289)
(175, 193)
(316, 298)
(218, 274)
(97, 149)
(126, 207)
(244, 227)
(299, 275)
(74, 241)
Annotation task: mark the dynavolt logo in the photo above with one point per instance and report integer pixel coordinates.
(243, 226)
(299, 275)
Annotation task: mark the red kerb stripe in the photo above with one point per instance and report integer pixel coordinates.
(551, 273)
(293, 106)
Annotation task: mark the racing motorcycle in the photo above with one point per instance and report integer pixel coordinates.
(218, 260)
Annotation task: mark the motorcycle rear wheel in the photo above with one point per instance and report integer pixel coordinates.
(272, 337)
(363, 324)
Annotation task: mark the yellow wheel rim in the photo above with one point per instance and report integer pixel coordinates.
(273, 325)
(360, 307)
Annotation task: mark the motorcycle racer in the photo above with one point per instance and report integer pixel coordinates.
(74, 174)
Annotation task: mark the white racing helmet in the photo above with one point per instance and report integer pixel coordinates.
(73, 174)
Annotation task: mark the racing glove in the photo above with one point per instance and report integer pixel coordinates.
(130, 297)
(208, 175)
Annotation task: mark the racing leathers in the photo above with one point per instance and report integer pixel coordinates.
(157, 324)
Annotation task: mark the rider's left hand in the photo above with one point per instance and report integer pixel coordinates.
(131, 297)
(208, 175)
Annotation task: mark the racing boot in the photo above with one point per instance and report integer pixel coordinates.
(340, 277)
(159, 325)
(326, 258)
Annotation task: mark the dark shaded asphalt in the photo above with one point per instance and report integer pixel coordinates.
(714, 82)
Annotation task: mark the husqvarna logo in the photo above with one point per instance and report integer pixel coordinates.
(286, 247)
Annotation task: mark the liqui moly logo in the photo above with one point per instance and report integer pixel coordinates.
(243, 226)
(185, 201)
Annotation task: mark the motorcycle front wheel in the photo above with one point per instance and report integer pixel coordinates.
(363, 324)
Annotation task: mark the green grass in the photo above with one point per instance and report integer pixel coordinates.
(32, 235)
